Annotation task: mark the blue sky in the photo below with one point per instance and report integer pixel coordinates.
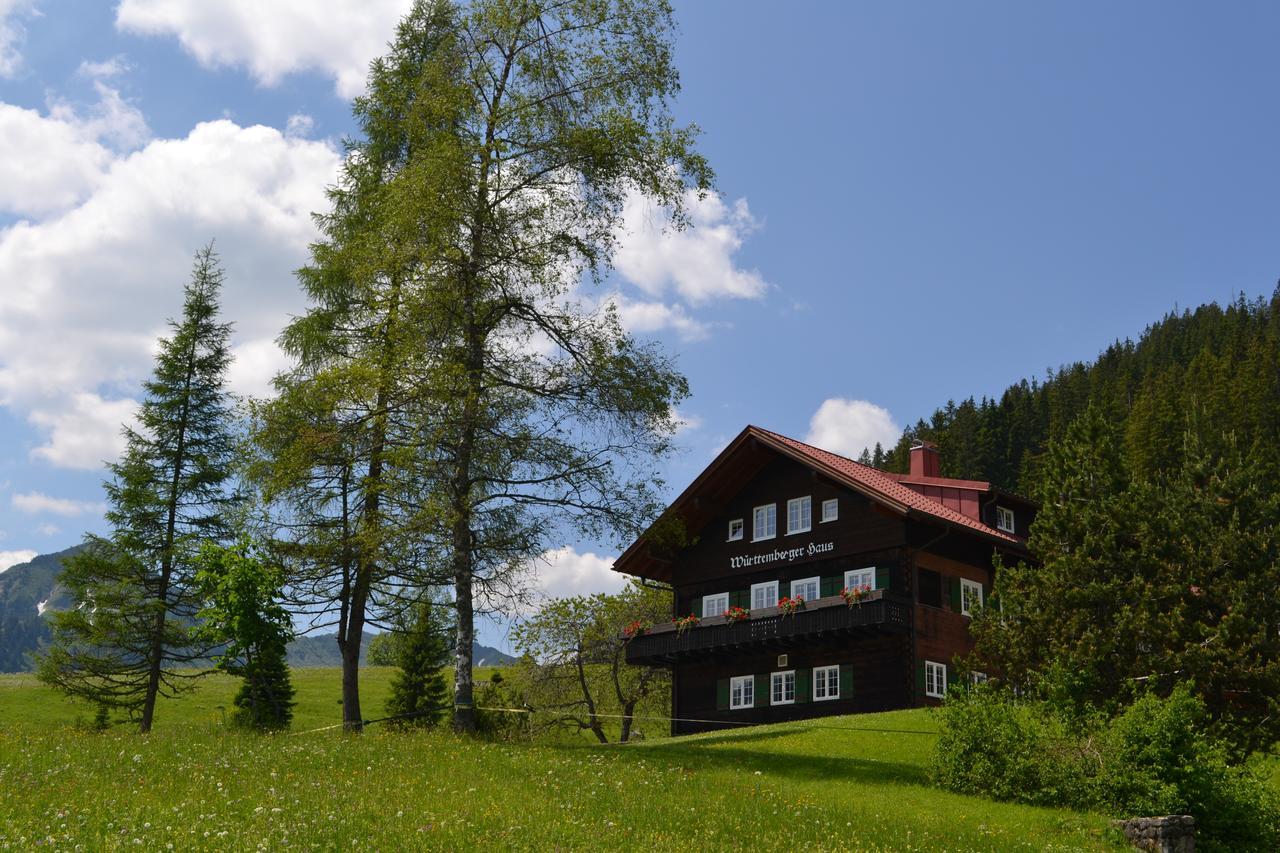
(918, 202)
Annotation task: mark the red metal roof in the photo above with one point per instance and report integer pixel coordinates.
(865, 478)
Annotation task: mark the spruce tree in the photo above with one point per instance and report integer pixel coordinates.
(419, 692)
(133, 631)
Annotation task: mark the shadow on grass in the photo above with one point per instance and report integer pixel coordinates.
(733, 752)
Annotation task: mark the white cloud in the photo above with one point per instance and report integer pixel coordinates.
(12, 34)
(299, 125)
(648, 317)
(113, 67)
(54, 161)
(338, 38)
(101, 277)
(564, 572)
(48, 530)
(37, 502)
(848, 427)
(696, 263)
(686, 423)
(9, 559)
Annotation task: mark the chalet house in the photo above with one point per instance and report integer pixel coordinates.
(887, 569)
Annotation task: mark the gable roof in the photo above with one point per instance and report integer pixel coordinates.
(881, 487)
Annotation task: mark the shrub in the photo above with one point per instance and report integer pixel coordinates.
(1153, 758)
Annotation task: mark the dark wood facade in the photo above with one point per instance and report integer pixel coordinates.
(879, 646)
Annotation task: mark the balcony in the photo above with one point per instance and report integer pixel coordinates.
(766, 628)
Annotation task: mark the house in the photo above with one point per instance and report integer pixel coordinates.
(772, 520)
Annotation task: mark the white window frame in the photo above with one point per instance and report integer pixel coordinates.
(771, 522)
(770, 598)
(833, 505)
(741, 528)
(976, 678)
(828, 678)
(707, 599)
(968, 587)
(935, 679)
(1004, 519)
(778, 687)
(804, 514)
(817, 586)
(745, 688)
(850, 575)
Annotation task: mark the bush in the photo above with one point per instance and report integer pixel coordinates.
(1154, 758)
(500, 725)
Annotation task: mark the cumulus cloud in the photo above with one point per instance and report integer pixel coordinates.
(54, 161)
(101, 276)
(11, 34)
(338, 38)
(48, 530)
(647, 317)
(299, 124)
(113, 67)
(9, 559)
(39, 503)
(563, 572)
(697, 263)
(848, 427)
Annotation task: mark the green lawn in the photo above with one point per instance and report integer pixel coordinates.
(841, 783)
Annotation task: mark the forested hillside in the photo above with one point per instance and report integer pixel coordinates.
(1224, 360)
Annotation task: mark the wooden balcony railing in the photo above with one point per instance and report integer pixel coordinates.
(767, 627)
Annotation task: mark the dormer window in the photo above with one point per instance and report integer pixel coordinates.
(1004, 519)
(735, 530)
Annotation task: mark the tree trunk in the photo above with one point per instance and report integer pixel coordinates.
(464, 713)
(628, 710)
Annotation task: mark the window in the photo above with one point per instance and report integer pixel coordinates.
(782, 688)
(865, 576)
(715, 605)
(935, 679)
(735, 530)
(976, 678)
(764, 594)
(806, 589)
(764, 522)
(930, 591)
(970, 596)
(799, 515)
(830, 509)
(742, 692)
(826, 683)
(1004, 519)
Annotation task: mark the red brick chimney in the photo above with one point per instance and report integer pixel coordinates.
(924, 460)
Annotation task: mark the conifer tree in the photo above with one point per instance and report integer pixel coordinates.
(134, 627)
(419, 692)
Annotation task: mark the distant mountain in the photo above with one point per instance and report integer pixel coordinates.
(322, 650)
(29, 590)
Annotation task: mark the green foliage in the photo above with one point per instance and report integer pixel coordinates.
(574, 658)
(243, 615)
(1148, 581)
(419, 693)
(385, 648)
(1154, 758)
(132, 629)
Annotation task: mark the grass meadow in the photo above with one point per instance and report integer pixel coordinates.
(843, 783)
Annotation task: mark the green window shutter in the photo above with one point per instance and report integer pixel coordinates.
(846, 681)
(830, 585)
(803, 689)
(954, 583)
(920, 679)
(763, 686)
(722, 694)
(740, 598)
(695, 607)
(882, 577)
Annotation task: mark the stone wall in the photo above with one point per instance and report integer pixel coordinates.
(1168, 834)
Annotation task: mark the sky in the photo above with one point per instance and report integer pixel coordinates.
(915, 203)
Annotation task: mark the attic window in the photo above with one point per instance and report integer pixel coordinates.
(735, 530)
(1004, 519)
(831, 509)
